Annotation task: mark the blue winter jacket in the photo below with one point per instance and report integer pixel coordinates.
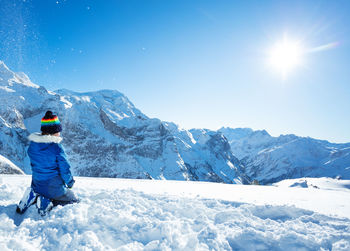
(50, 168)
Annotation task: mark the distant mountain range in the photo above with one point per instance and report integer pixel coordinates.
(106, 136)
(270, 159)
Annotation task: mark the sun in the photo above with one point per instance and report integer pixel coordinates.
(285, 56)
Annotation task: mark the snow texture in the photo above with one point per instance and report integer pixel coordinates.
(119, 214)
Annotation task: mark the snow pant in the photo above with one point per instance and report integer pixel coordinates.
(68, 198)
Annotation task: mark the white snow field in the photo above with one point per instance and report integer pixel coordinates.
(120, 214)
(321, 183)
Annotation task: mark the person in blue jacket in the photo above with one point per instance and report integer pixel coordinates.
(51, 175)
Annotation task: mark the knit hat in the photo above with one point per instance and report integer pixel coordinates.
(50, 124)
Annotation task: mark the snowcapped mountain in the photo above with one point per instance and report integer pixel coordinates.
(106, 136)
(270, 159)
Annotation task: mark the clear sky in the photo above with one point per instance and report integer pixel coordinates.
(202, 64)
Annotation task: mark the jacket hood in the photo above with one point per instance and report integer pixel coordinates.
(39, 138)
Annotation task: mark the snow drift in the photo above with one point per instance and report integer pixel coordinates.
(133, 215)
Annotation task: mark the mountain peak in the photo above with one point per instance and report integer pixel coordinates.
(3, 66)
(261, 133)
(9, 77)
(236, 133)
(5, 73)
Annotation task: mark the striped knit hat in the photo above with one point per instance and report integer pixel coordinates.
(50, 124)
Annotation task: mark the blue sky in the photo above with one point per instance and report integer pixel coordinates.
(197, 63)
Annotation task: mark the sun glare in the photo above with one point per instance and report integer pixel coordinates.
(285, 56)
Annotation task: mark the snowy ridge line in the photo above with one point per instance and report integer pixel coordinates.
(269, 159)
(7, 167)
(121, 214)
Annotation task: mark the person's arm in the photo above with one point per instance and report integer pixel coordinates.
(64, 167)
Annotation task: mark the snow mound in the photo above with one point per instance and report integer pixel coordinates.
(123, 214)
(319, 183)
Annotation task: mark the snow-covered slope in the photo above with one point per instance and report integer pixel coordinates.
(119, 214)
(7, 167)
(106, 136)
(270, 159)
(317, 183)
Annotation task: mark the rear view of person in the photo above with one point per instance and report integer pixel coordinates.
(51, 175)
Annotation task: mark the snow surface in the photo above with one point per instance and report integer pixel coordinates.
(317, 183)
(123, 214)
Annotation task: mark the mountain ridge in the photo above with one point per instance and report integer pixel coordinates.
(270, 159)
(105, 135)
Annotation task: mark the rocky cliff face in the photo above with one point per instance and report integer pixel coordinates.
(269, 159)
(106, 136)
